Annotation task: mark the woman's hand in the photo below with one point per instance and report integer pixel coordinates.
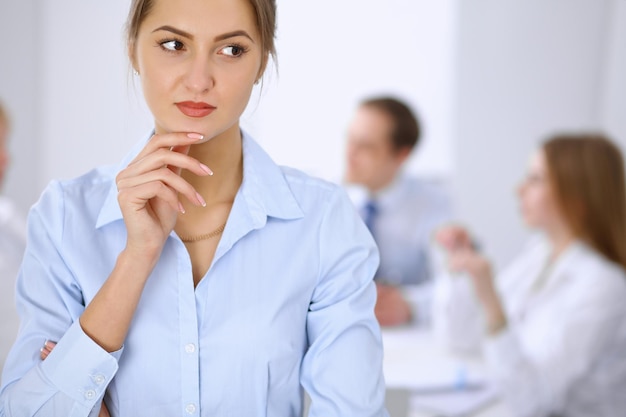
(453, 237)
(478, 267)
(48, 346)
(149, 188)
(463, 257)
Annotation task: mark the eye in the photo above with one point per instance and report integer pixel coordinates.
(172, 45)
(233, 50)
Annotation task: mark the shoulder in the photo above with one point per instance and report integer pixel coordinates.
(77, 198)
(310, 190)
(592, 270)
(423, 189)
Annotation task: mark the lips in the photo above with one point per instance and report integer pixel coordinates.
(195, 109)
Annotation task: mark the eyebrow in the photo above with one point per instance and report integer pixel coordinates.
(216, 39)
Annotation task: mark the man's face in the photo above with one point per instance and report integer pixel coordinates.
(372, 161)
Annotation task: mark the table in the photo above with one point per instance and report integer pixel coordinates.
(419, 371)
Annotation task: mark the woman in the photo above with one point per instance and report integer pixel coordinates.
(555, 320)
(12, 243)
(179, 289)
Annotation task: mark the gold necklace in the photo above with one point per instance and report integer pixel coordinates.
(216, 232)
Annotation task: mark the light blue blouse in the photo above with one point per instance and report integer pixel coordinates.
(287, 304)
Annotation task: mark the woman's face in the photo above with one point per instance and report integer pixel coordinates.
(538, 202)
(198, 62)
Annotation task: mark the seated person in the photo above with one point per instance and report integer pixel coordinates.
(553, 325)
(401, 211)
(12, 243)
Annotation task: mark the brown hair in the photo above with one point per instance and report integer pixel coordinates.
(265, 11)
(406, 128)
(587, 174)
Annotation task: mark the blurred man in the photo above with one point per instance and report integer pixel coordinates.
(12, 243)
(401, 212)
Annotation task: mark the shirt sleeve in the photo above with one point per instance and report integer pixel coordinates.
(342, 369)
(534, 376)
(456, 315)
(74, 377)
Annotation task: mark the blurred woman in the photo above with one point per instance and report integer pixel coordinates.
(12, 243)
(553, 325)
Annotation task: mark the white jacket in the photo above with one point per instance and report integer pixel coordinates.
(564, 350)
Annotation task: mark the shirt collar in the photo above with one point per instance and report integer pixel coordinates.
(389, 195)
(264, 189)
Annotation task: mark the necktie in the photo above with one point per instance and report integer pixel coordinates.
(371, 210)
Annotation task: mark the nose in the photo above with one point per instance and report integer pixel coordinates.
(199, 76)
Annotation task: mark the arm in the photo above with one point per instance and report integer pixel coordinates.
(73, 379)
(342, 369)
(536, 376)
(457, 316)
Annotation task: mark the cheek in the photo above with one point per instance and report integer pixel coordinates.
(154, 85)
(537, 204)
(238, 87)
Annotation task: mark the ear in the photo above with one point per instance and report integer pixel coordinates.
(402, 154)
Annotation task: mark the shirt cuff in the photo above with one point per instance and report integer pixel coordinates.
(79, 367)
(502, 351)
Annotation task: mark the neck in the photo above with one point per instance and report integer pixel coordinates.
(374, 189)
(224, 155)
(560, 238)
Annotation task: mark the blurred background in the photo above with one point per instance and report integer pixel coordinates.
(488, 78)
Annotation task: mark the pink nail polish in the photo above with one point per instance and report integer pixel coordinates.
(206, 169)
(200, 200)
(195, 136)
(181, 208)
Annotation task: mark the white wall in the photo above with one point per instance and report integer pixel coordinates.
(332, 54)
(524, 70)
(614, 92)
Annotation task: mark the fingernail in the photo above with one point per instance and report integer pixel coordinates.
(206, 169)
(200, 200)
(181, 208)
(195, 136)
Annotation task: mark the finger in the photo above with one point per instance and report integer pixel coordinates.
(168, 141)
(46, 349)
(139, 196)
(168, 178)
(184, 150)
(43, 353)
(161, 158)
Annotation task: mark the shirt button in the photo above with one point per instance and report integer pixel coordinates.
(98, 379)
(190, 348)
(190, 409)
(90, 394)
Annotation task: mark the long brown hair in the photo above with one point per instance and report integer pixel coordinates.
(587, 174)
